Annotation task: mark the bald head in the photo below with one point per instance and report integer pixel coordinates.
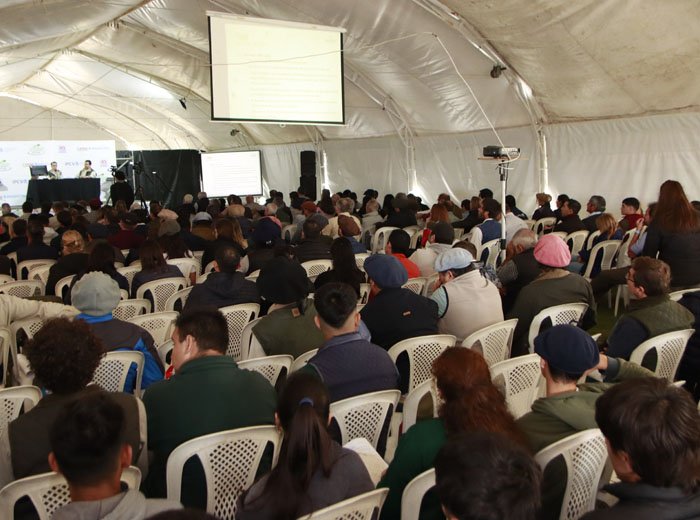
(524, 239)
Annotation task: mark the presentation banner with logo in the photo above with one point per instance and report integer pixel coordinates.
(16, 158)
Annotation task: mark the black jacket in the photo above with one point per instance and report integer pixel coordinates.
(65, 266)
(222, 289)
(569, 224)
(211, 248)
(121, 191)
(681, 251)
(471, 220)
(400, 219)
(314, 249)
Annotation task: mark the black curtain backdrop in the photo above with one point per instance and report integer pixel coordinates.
(178, 172)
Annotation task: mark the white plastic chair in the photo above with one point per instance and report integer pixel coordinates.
(181, 297)
(360, 260)
(40, 273)
(250, 346)
(493, 248)
(7, 350)
(622, 259)
(271, 367)
(380, 238)
(186, 266)
(415, 237)
(164, 350)
(560, 234)
(288, 232)
(113, 369)
(585, 456)
(315, 267)
(158, 324)
(12, 401)
(421, 352)
(364, 292)
(198, 255)
(576, 240)
(28, 327)
(230, 460)
(429, 284)
(559, 315)
(519, 379)
(413, 399)
(161, 290)
(543, 223)
(677, 295)
(49, 491)
(417, 285)
(413, 494)
(129, 272)
(669, 351)
(23, 268)
(253, 276)
(61, 287)
(530, 223)
(495, 341)
(364, 416)
(609, 248)
(362, 507)
(126, 310)
(237, 317)
(302, 360)
(23, 288)
(4, 278)
(590, 239)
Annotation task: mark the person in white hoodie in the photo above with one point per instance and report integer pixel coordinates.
(89, 449)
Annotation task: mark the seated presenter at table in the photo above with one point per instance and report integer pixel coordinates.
(87, 170)
(54, 172)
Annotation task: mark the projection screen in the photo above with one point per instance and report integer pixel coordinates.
(226, 173)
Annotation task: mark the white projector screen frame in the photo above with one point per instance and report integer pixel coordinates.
(273, 71)
(226, 173)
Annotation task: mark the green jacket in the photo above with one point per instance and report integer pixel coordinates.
(208, 395)
(287, 331)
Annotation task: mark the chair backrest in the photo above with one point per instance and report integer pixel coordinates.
(519, 379)
(271, 367)
(7, 350)
(198, 255)
(253, 276)
(677, 295)
(288, 232)
(237, 317)
(429, 284)
(421, 352)
(458, 233)
(186, 266)
(114, 368)
(413, 494)
(315, 267)
(609, 249)
(23, 288)
(495, 340)
(14, 400)
(128, 309)
(530, 223)
(413, 399)
(362, 507)
(61, 287)
(669, 351)
(161, 290)
(210, 267)
(164, 350)
(493, 248)
(543, 223)
(177, 301)
(560, 234)
(364, 292)
(302, 360)
(23, 268)
(250, 346)
(585, 456)
(360, 259)
(559, 315)
(576, 240)
(158, 324)
(622, 259)
(230, 460)
(417, 285)
(28, 327)
(590, 239)
(40, 273)
(129, 272)
(380, 238)
(4, 278)
(49, 491)
(415, 237)
(364, 416)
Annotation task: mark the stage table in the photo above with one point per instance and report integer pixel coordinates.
(46, 190)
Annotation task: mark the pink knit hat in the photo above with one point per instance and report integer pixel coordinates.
(552, 251)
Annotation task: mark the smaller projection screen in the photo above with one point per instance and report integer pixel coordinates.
(226, 173)
(270, 71)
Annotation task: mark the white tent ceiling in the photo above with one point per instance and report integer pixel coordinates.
(122, 65)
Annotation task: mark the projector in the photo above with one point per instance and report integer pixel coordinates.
(501, 151)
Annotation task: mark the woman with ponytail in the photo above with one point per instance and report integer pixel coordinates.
(470, 402)
(313, 471)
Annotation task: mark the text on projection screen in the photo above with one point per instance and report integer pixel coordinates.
(224, 173)
(276, 72)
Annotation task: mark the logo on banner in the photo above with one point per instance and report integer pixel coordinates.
(5, 166)
(37, 149)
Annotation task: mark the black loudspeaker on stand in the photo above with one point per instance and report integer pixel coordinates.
(307, 181)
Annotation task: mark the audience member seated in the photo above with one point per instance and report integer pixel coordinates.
(345, 268)
(568, 407)
(470, 209)
(631, 214)
(347, 363)
(226, 286)
(658, 471)
(265, 237)
(469, 402)
(63, 355)
(397, 245)
(36, 249)
(511, 203)
(490, 228)
(207, 394)
(466, 300)
(650, 312)
(569, 220)
(192, 241)
(371, 217)
(544, 210)
(18, 237)
(313, 471)
(674, 235)
(455, 212)
(485, 476)
(170, 240)
(226, 232)
(90, 449)
(438, 213)
(608, 231)
(201, 226)
(64, 220)
(513, 224)
(100, 258)
(126, 237)
(399, 213)
(554, 286)
(345, 206)
(96, 296)
(440, 240)
(519, 268)
(561, 199)
(313, 245)
(348, 228)
(74, 260)
(289, 327)
(153, 266)
(594, 207)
